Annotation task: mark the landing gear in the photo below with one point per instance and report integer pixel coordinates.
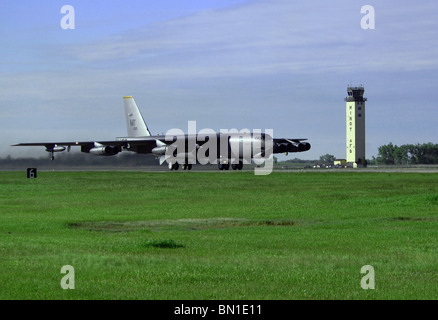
(52, 157)
(237, 166)
(173, 166)
(223, 166)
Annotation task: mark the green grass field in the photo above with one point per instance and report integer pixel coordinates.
(221, 235)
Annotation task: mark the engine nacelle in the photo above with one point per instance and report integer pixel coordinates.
(304, 146)
(104, 151)
(159, 151)
(292, 146)
(55, 149)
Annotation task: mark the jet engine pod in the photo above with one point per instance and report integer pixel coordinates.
(159, 151)
(304, 146)
(296, 146)
(55, 149)
(104, 151)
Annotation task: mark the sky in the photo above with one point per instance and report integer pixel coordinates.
(246, 64)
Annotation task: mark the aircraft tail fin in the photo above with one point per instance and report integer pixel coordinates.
(134, 120)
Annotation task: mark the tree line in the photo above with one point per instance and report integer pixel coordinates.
(426, 153)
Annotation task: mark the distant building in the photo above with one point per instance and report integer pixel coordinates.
(355, 112)
(340, 162)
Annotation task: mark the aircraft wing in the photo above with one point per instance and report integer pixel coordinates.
(119, 142)
(53, 144)
(110, 147)
(281, 140)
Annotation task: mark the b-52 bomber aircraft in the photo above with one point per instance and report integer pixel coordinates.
(224, 149)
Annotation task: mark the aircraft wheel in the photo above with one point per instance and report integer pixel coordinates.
(184, 166)
(240, 165)
(234, 166)
(189, 166)
(175, 166)
(220, 166)
(170, 166)
(226, 166)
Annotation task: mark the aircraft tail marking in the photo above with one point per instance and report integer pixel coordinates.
(134, 120)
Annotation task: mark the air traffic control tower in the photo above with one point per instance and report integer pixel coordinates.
(355, 127)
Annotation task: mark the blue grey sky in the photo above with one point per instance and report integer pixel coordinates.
(275, 64)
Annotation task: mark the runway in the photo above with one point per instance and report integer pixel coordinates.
(246, 168)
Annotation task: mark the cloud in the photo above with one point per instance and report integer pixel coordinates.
(256, 38)
(272, 37)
